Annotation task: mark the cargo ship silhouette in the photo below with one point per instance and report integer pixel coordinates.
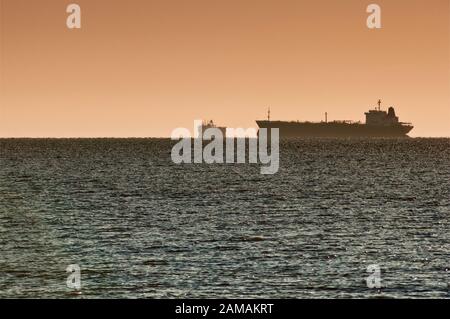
(379, 123)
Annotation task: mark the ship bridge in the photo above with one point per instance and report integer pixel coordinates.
(379, 117)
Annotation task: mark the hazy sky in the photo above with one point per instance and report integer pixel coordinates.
(143, 68)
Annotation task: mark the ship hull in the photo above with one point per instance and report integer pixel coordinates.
(333, 129)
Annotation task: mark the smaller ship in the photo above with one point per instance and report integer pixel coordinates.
(210, 124)
(379, 123)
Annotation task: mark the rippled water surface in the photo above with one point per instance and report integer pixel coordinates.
(140, 226)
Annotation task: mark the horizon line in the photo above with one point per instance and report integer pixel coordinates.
(168, 137)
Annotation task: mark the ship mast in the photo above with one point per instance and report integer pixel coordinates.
(268, 114)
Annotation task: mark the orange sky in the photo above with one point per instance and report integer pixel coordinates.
(143, 67)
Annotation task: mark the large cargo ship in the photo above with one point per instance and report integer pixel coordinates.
(379, 123)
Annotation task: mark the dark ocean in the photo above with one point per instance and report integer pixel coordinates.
(140, 226)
